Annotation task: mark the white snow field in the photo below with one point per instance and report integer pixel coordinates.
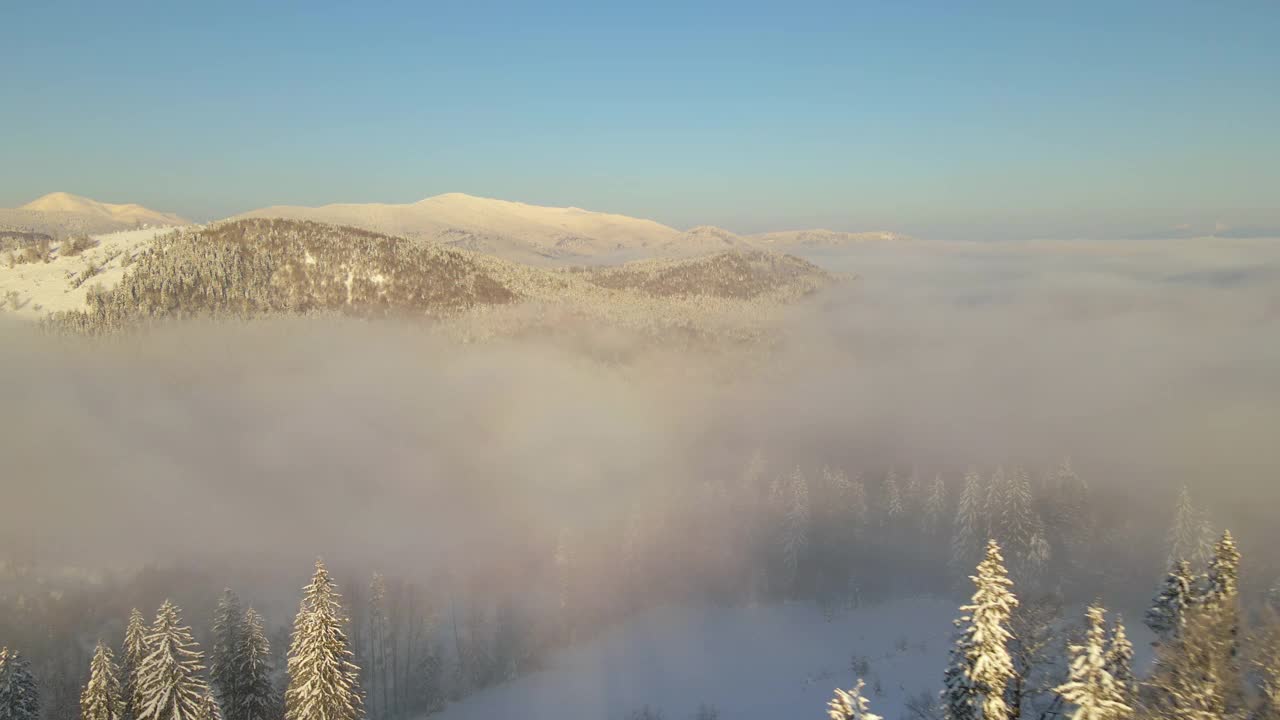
(750, 663)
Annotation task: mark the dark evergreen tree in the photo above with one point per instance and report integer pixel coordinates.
(258, 697)
(19, 696)
(1167, 614)
(224, 665)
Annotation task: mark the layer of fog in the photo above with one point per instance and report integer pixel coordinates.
(1150, 364)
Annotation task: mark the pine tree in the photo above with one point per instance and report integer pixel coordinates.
(850, 705)
(1223, 584)
(993, 503)
(1222, 602)
(170, 682)
(1190, 536)
(102, 698)
(1167, 614)
(223, 664)
(795, 537)
(981, 667)
(19, 696)
(970, 528)
(857, 504)
(323, 681)
(1069, 521)
(1037, 559)
(1091, 688)
(1191, 679)
(135, 651)
(1119, 663)
(1018, 522)
(935, 505)
(258, 699)
(893, 507)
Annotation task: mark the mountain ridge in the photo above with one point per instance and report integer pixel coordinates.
(60, 214)
(546, 235)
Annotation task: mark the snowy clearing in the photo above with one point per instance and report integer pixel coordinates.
(750, 663)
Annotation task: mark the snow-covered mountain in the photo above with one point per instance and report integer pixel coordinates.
(60, 214)
(538, 234)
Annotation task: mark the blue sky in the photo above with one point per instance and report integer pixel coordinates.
(945, 119)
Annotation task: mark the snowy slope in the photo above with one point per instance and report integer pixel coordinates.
(758, 663)
(41, 288)
(510, 229)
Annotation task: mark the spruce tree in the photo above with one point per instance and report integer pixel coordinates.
(893, 506)
(19, 696)
(258, 699)
(135, 651)
(323, 681)
(993, 503)
(1221, 602)
(1167, 614)
(981, 667)
(970, 528)
(1019, 524)
(857, 504)
(1090, 687)
(223, 663)
(1190, 537)
(1119, 663)
(171, 685)
(935, 505)
(102, 698)
(795, 532)
(1192, 679)
(850, 705)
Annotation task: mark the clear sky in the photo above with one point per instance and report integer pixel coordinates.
(948, 118)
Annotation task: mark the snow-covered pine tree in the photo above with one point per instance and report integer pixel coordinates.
(1037, 560)
(850, 705)
(323, 681)
(858, 511)
(1222, 601)
(993, 503)
(1018, 523)
(913, 495)
(795, 532)
(102, 698)
(224, 665)
(981, 667)
(19, 696)
(171, 685)
(258, 699)
(1120, 663)
(1090, 687)
(935, 505)
(1191, 536)
(1192, 679)
(970, 528)
(135, 651)
(893, 507)
(1223, 585)
(1167, 614)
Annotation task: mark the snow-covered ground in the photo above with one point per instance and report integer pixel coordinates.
(42, 288)
(750, 663)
